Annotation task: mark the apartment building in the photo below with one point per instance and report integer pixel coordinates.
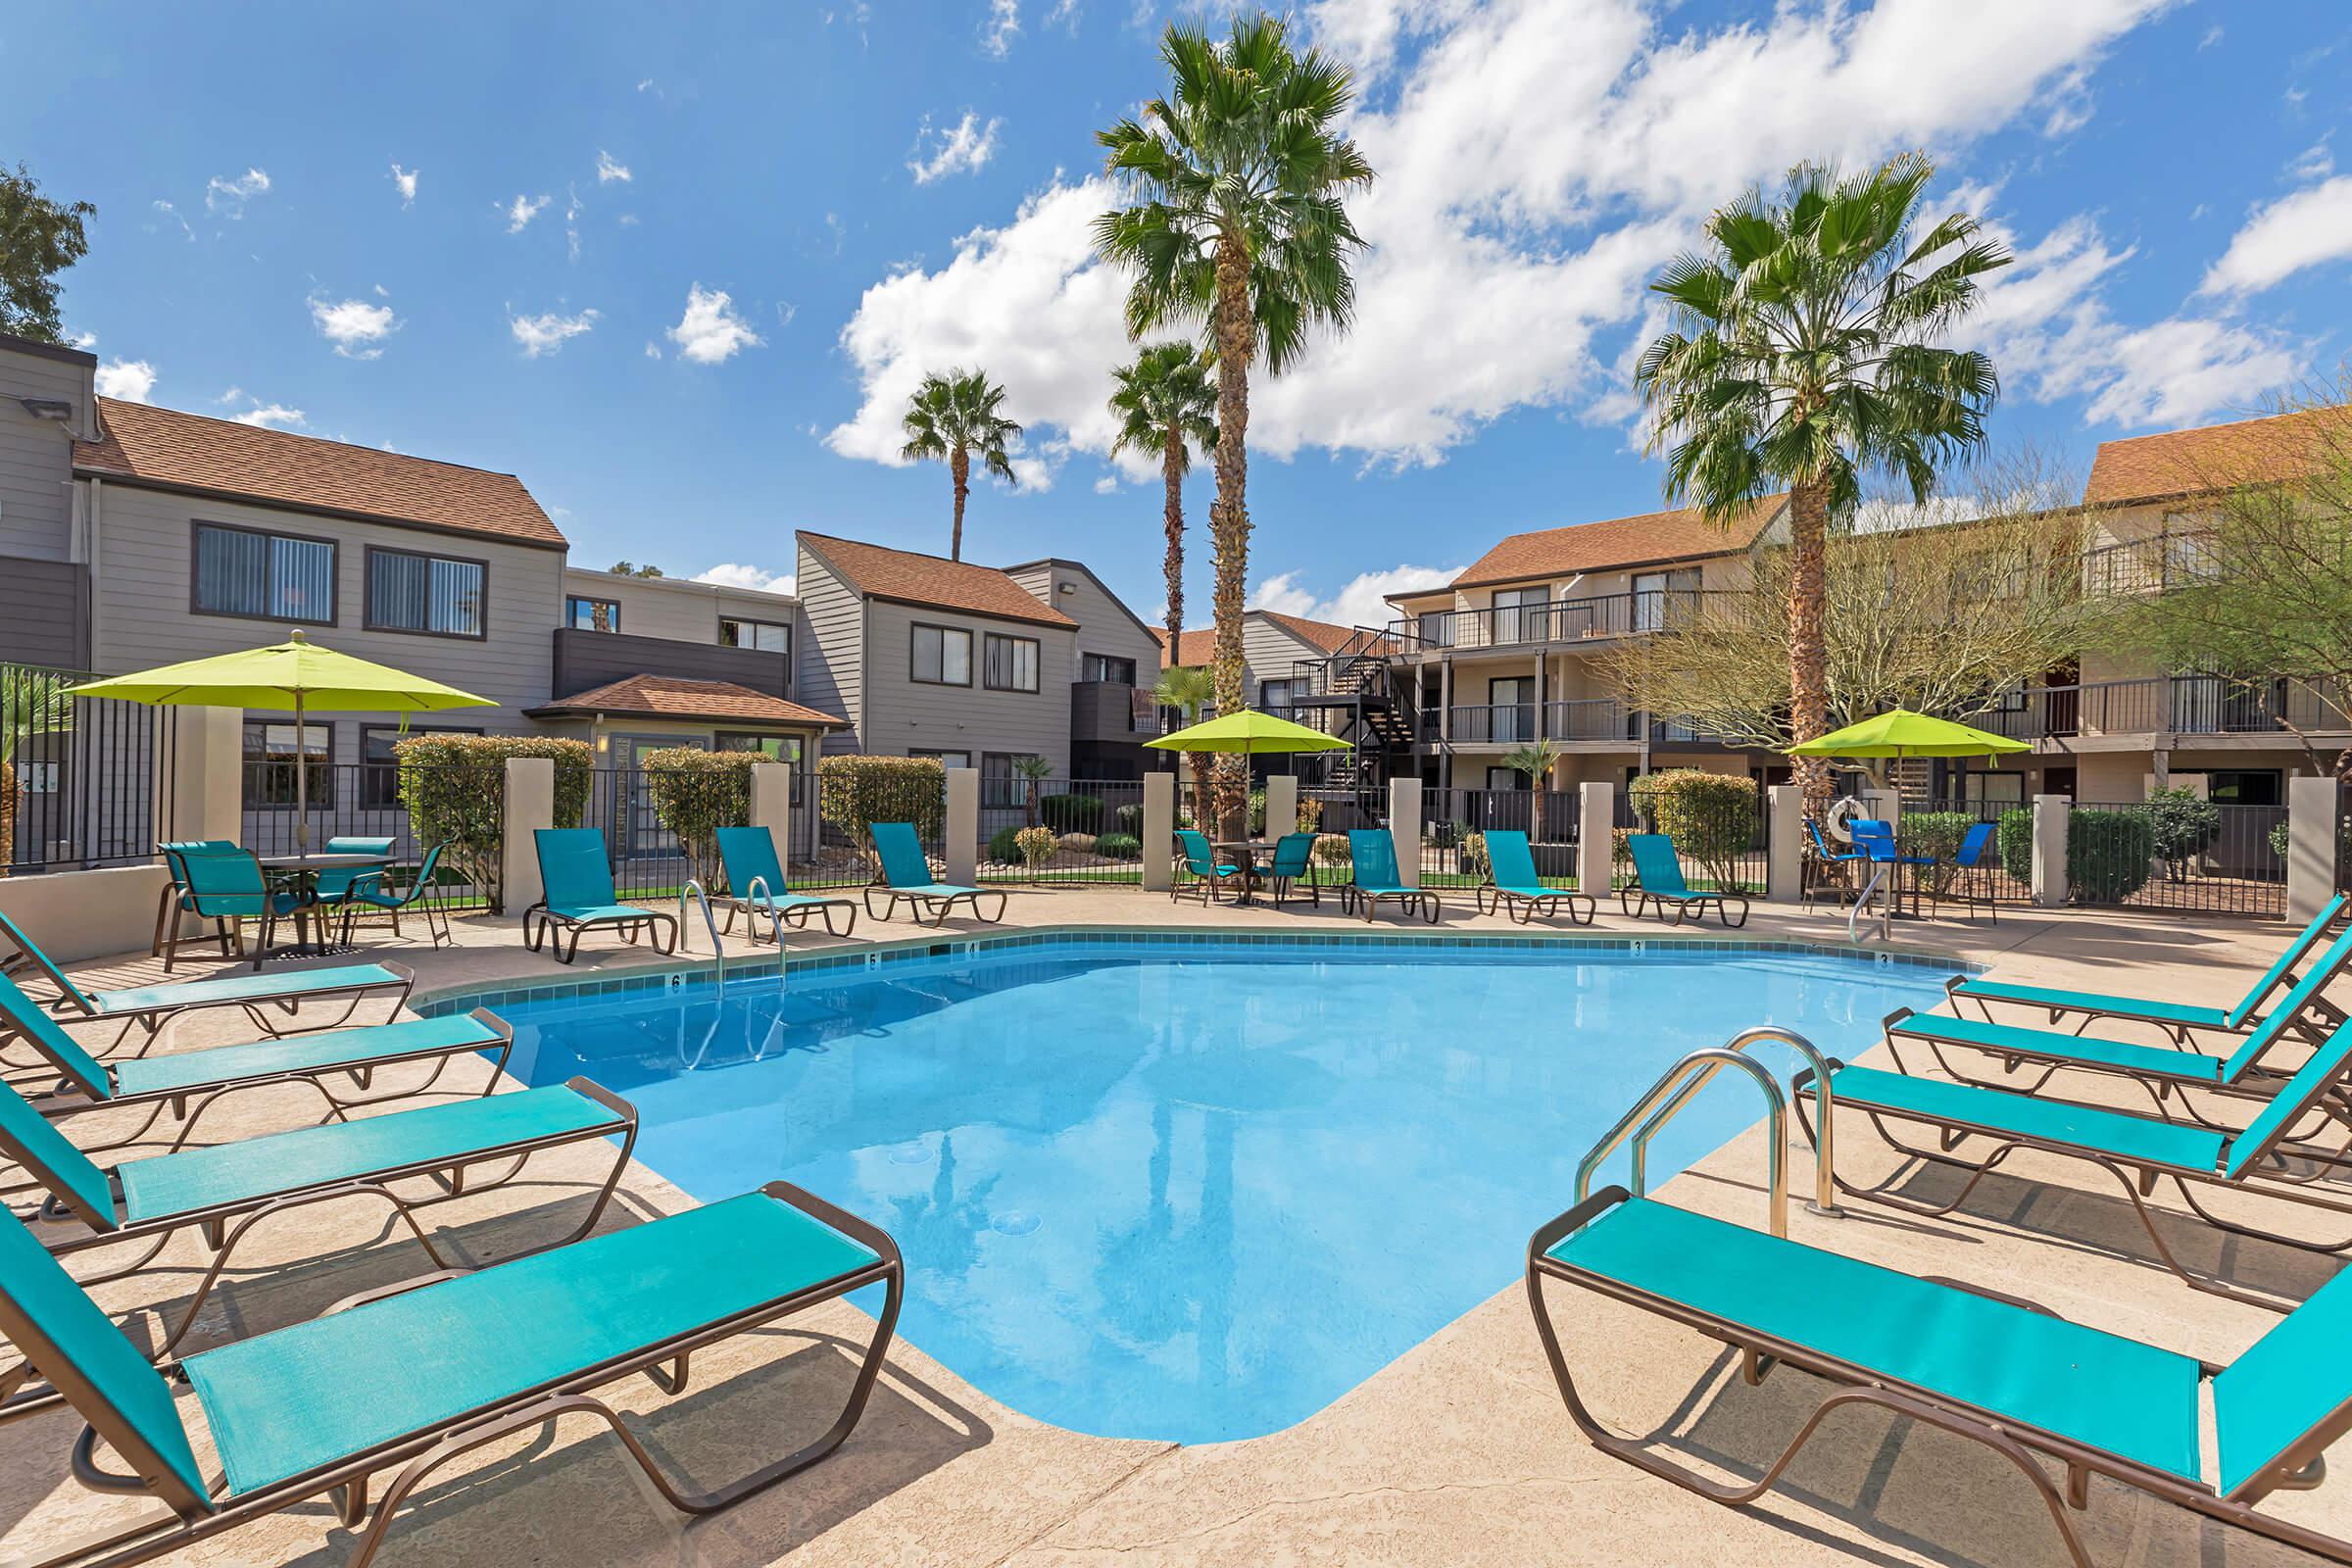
(1273, 645)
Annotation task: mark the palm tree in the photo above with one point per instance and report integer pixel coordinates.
(1800, 358)
(1166, 408)
(32, 703)
(1235, 218)
(1189, 689)
(950, 417)
(1536, 760)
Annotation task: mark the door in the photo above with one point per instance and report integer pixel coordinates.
(1518, 615)
(637, 832)
(1511, 708)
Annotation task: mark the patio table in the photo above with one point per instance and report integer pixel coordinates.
(301, 874)
(1243, 853)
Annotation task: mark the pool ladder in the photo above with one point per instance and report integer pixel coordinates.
(718, 954)
(1681, 1084)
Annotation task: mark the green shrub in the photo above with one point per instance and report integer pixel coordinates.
(1120, 846)
(1936, 833)
(853, 793)
(2017, 844)
(2183, 825)
(1333, 849)
(694, 794)
(454, 788)
(1072, 813)
(1003, 846)
(1711, 817)
(2108, 855)
(2280, 838)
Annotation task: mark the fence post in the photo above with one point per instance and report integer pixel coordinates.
(1159, 831)
(1404, 826)
(963, 847)
(2311, 838)
(1282, 805)
(1596, 838)
(531, 804)
(204, 795)
(1785, 843)
(1884, 805)
(771, 808)
(2050, 813)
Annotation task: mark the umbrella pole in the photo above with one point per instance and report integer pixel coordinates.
(302, 781)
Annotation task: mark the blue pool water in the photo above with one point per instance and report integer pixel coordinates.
(1193, 1193)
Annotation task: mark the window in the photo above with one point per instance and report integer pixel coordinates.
(1274, 696)
(591, 614)
(437, 596)
(2260, 787)
(943, 657)
(379, 777)
(947, 758)
(762, 636)
(783, 748)
(269, 753)
(1002, 784)
(262, 576)
(1103, 666)
(1011, 662)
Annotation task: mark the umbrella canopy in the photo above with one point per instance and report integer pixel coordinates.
(298, 674)
(1903, 733)
(1249, 733)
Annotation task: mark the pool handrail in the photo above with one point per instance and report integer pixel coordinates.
(718, 954)
(1708, 1060)
(1825, 1185)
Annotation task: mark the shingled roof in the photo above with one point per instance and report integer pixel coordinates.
(912, 578)
(670, 697)
(1618, 543)
(2215, 456)
(1199, 646)
(191, 452)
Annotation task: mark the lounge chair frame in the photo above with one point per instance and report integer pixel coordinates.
(1411, 900)
(1523, 905)
(758, 893)
(665, 1365)
(1634, 899)
(2299, 1468)
(936, 904)
(1203, 882)
(426, 893)
(646, 922)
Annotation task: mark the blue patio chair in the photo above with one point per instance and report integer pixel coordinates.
(228, 888)
(1293, 863)
(1658, 880)
(755, 884)
(1877, 842)
(577, 896)
(1208, 873)
(906, 878)
(1514, 888)
(367, 892)
(1373, 876)
(1970, 870)
(1823, 857)
(177, 884)
(335, 882)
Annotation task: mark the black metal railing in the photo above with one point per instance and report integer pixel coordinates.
(2180, 705)
(1454, 823)
(1062, 831)
(461, 807)
(2151, 565)
(1559, 620)
(839, 850)
(1722, 845)
(2177, 852)
(79, 789)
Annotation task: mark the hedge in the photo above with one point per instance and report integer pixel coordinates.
(2183, 825)
(853, 793)
(454, 788)
(1071, 814)
(1003, 846)
(2108, 854)
(1120, 846)
(1936, 833)
(1711, 817)
(694, 794)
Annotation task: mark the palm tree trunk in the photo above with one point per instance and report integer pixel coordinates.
(1171, 470)
(1229, 516)
(8, 814)
(960, 468)
(1808, 654)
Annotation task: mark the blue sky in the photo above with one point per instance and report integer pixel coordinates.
(502, 235)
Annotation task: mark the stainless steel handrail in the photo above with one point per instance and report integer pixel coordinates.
(1706, 1062)
(1825, 1188)
(718, 954)
(760, 893)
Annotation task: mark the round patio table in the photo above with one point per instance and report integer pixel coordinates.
(300, 875)
(1243, 853)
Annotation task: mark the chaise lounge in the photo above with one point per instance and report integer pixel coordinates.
(906, 878)
(1658, 880)
(577, 896)
(1514, 888)
(756, 886)
(1372, 857)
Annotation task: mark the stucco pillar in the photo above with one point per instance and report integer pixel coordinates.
(530, 806)
(1784, 852)
(771, 808)
(963, 847)
(1404, 826)
(200, 794)
(2050, 813)
(1159, 831)
(1282, 805)
(2311, 838)
(1597, 841)
(1884, 805)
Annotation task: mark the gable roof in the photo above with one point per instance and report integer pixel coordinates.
(671, 696)
(170, 449)
(1638, 541)
(913, 578)
(2215, 457)
(1199, 646)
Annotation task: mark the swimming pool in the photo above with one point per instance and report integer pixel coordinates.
(1192, 1191)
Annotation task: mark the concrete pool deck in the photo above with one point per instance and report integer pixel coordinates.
(1458, 1453)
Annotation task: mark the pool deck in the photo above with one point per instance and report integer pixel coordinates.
(1457, 1453)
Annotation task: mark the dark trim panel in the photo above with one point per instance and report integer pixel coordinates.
(335, 573)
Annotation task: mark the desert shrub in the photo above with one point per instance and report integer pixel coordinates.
(2108, 855)
(1936, 833)
(2182, 825)
(694, 794)
(854, 793)
(1711, 817)
(1333, 849)
(1129, 818)
(1120, 846)
(2280, 839)
(1003, 846)
(454, 788)
(1310, 813)
(1474, 854)
(2017, 844)
(1037, 846)
(1072, 813)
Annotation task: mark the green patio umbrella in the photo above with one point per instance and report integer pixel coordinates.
(1900, 733)
(298, 674)
(1248, 733)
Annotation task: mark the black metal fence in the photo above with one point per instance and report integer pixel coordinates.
(464, 807)
(1083, 831)
(2177, 852)
(1454, 823)
(838, 849)
(1721, 839)
(78, 786)
(2002, 873)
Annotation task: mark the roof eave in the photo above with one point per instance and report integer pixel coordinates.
(305, 509)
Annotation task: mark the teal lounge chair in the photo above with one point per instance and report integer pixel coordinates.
(2002, 1373)
(1372, 856)
(1512, 886)
(906, 877)
(151, 1007)
(367, 892)
(2164, 1071)
(1658, 880)
(2136, 1151)
(577, 895)
(2177, 1019)
(227, 888)
(1294, 867)
(168, 1083)
(1207, 872)
(755, 884)
(404, 1384)
(226, 1188)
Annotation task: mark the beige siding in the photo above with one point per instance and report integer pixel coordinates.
(680, 610)
(1270, 652)
(37, 456)
(144, 615)
(903, 715)
(1105, 624)
(831, 677)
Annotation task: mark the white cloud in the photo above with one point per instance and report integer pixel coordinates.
(647, 86)
(131, 380)
(571, 221)
(405, 181)
(964, 148)
(653, 350)
(2184, 370)
(1361, 602)
(520, 214)
(1108, 485)
(271, 416)
(2213, 35)
(2308, 227)
(546, 333)
(228, 197)
(607, 170)
(710, 333)
(737, 574)
(356, 328)
(2314, 162)
(997, 33)
(85, 341)
(172, 213)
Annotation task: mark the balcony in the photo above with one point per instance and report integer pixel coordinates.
(2153, 565)
(586, 660)
(1602, 719)
(1561, 621)
(1113, 710)
(2176, 705)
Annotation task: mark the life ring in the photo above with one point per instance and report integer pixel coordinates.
(1839, 823)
